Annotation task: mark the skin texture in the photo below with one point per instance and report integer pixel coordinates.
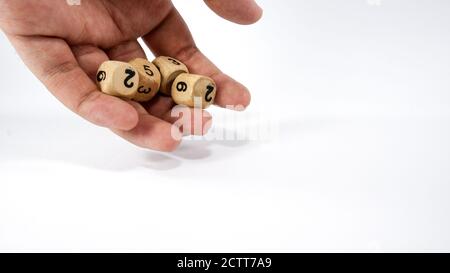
(64, 45)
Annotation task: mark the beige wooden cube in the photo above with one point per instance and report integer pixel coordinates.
(118, 79)
(194, 90)
(149, 79)
(169, 68)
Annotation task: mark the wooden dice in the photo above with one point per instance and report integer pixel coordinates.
(170, 68)
(193, 90)
(118, 79)
(140, 80)
(149, 79)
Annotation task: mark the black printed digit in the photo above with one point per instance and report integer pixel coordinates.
(131, 75)
(148, 71)
(175, 62)
(181, 87)
(142, 90)
(209, 90)
(101, 76)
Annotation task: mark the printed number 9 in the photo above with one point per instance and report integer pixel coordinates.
(181, 87)
(101, 76)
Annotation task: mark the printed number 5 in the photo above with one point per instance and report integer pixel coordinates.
(148, 71)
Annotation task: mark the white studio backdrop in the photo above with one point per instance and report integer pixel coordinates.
(359, 92)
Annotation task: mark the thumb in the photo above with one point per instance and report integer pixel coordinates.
(243, 12)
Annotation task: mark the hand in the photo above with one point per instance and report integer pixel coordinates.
(64, 45)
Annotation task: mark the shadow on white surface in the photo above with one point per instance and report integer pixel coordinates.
(76, 142)
(191, 150)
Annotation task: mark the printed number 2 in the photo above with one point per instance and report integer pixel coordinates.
(209, 90)
(131, 75)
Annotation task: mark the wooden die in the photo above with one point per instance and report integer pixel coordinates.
(194, 90)
(170, 68)
(118, 79)
(149, 79)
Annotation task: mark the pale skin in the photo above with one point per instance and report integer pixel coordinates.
(64, 45)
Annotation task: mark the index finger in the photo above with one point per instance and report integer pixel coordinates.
(238, 11)
(173, 38)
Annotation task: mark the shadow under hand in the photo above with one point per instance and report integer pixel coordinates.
(193, 150)
(79, 143)
(160, 162)
(198, 148)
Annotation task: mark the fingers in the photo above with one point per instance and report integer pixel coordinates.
(126, 51)
(53, 62)
(238, 11)
(152, 132)
(159, 106)
(65, 73)
(172, 38)
(190, 121)
(89, 58)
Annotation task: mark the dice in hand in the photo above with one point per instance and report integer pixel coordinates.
(149, 79)
(194, 90)
(170, 68)
(118, 79)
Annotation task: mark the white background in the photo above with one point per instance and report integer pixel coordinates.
(361, 96)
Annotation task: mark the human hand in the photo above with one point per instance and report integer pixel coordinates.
(64, 45)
